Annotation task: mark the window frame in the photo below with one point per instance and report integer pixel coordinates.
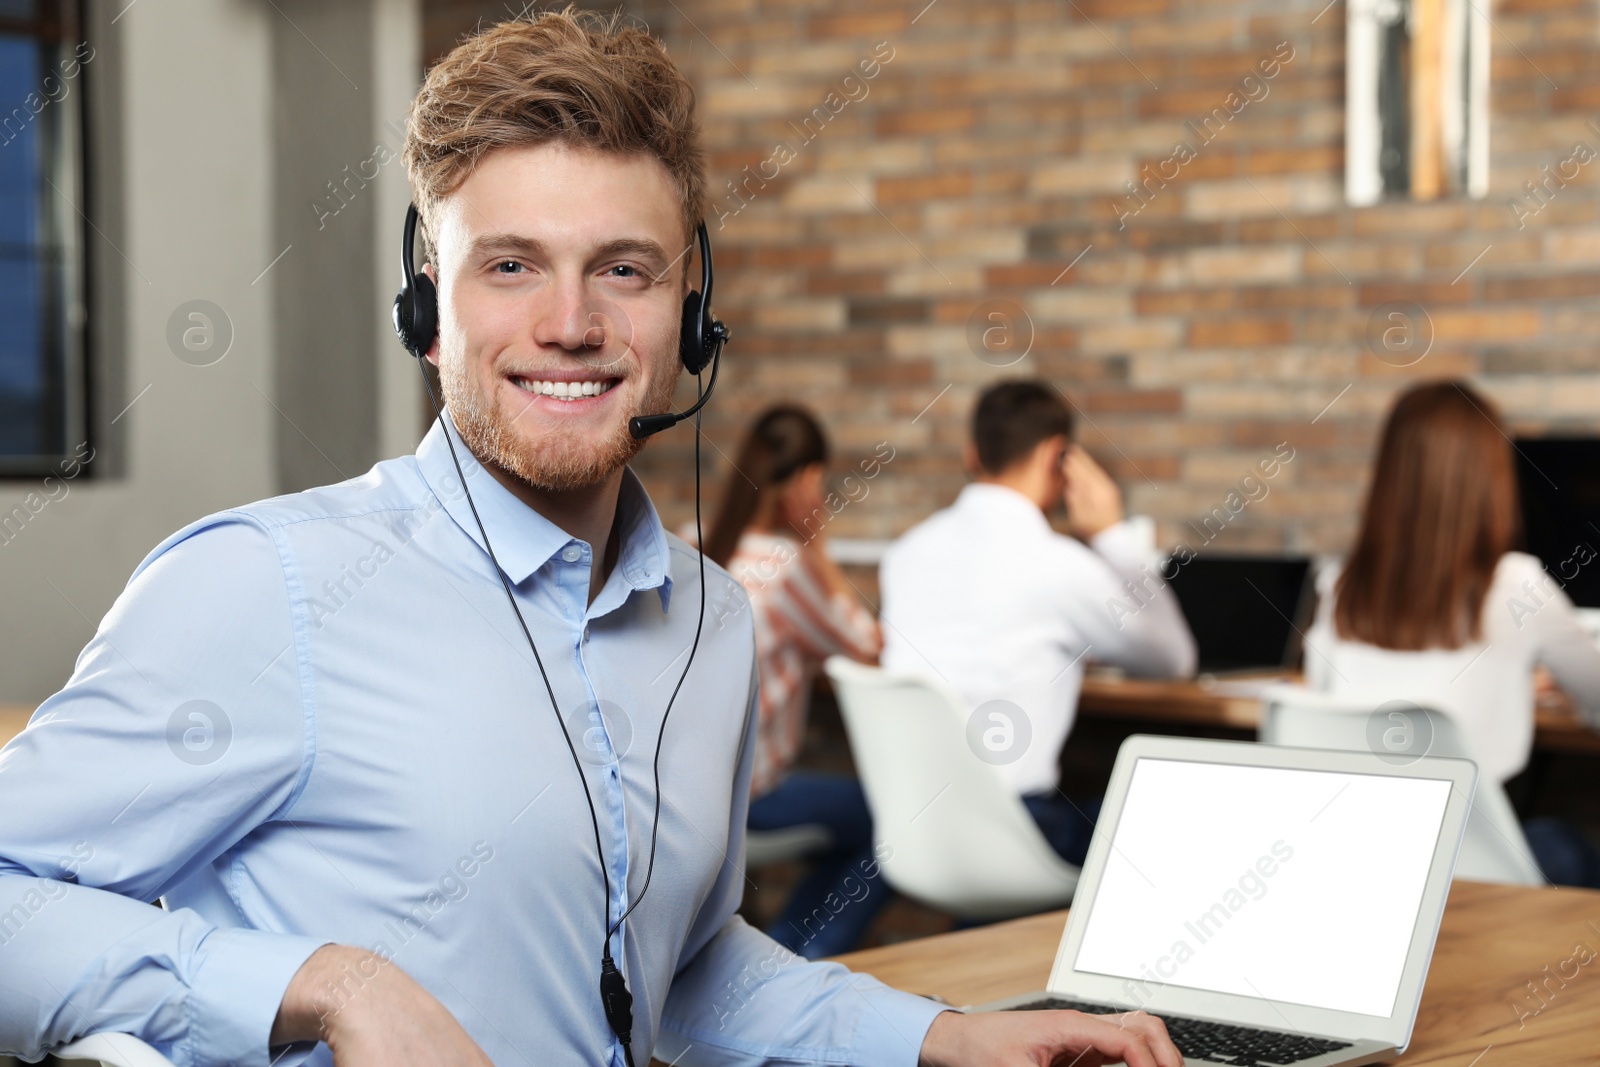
(66, 277)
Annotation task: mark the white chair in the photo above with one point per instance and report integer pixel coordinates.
(765, 847)
(949, 830)
(1494, 848)
(112, 1050)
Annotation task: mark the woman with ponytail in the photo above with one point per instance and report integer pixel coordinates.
(769, 534)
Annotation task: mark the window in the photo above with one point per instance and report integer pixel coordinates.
(43, 391)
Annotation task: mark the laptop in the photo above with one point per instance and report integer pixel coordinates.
(1246, 612)
(1272, 905)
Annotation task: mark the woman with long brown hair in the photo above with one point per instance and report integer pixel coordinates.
(1435, 605)
(769, 534)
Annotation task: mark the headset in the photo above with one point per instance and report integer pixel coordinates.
(416, 323)
(700, 341)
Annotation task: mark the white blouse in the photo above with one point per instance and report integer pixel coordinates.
(1485, 686)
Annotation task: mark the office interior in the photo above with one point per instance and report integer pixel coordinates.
(1216, 267)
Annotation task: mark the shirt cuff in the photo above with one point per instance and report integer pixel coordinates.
(894, 1025)
(236, 993)
(1120, 543)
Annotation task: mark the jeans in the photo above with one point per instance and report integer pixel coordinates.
(1066, 824)
(838, 898)
(1564, 855)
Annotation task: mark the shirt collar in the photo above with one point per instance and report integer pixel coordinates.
(1002, 499)
(525, 540)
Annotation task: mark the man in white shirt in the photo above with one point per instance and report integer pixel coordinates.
(988, 597)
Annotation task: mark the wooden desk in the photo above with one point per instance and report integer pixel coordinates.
(1494, 940)
(13, 717)
(1557, 727)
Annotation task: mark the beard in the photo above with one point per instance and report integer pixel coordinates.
(554, 462)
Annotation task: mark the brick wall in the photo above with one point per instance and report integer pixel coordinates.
(868, 219)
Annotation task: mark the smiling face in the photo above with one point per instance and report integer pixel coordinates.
(561, 286)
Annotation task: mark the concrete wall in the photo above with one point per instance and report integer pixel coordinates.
(222, 124)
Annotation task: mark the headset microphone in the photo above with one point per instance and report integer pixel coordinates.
(700, 343)
(416, 322)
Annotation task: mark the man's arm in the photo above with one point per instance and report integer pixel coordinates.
(1123, 607)
(741, 997)
(181, 729)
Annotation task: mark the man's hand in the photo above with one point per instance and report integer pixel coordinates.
(1047, 1039)
(371, 1014)
(1094, 503)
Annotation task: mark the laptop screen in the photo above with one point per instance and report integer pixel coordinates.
(1243, 610)
(1298, 886)
(1558, 479)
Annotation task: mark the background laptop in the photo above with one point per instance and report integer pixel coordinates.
(1273, 905)
(1245, 612)
(1558, 479)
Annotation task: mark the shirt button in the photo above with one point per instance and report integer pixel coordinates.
(571, 553)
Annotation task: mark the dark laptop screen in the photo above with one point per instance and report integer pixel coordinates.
(1559, 479)
(1244, 610)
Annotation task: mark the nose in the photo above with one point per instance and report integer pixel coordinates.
(568, 318)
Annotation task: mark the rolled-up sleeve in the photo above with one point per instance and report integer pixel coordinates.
(1152, 638)
(741, 998)
(185, 726)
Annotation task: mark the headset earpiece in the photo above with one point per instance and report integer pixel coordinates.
(692, 348)
(416, 307)
(701, 334)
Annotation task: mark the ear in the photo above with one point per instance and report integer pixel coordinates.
(1046, 452)
(969, 460)
(433, 350)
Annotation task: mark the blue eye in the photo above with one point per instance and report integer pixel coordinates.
(628, 267)
(504, 263)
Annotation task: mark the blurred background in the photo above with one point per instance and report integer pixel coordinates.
(1220, 226)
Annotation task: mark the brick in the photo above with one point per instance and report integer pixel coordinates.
(1241, 332)
(898, 373)
(1067, 304)
(875, 312)
(943, 120)
(1498, 324)
(938, 186)
(1542, 288)
(1136, 334)
(1438, 363)
(1082, 175)
(875, 156)
(1264, 197)
(861, 25)
(801, 314)
(1123, 401)
(1578, 247)
(1244, 264)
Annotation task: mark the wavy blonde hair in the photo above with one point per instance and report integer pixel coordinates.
(578, 78)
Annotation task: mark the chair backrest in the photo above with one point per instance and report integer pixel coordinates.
(957, 836)
(764, 847)
(112, 1050)
(1494, 848)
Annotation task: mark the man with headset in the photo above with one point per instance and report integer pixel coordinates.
(396, 753)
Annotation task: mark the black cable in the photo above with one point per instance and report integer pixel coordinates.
(615, 998)
(538, 661)
(699, 542)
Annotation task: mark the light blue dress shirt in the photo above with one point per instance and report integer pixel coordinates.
(315, 719)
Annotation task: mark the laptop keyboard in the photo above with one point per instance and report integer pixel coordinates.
(1240, 1046)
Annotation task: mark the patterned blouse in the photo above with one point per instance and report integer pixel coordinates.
(798, 624)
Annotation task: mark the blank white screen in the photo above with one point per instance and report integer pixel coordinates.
(1326, 926)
